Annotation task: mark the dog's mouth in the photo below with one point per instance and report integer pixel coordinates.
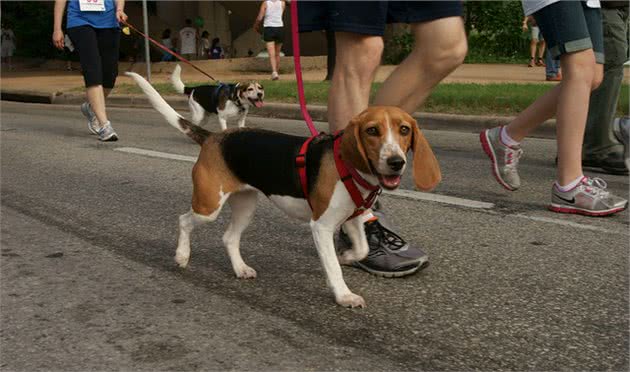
(390, 182)
(258, 102)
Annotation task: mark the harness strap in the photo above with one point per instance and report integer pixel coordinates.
(300, 163)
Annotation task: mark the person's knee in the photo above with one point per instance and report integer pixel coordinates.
(598, 77)
(361, 59)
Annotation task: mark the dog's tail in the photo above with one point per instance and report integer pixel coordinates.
(176, 80)
(193, 131)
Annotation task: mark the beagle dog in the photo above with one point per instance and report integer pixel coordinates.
(224, 100)
(236, 165)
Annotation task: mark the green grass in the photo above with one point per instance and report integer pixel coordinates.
(452, 98)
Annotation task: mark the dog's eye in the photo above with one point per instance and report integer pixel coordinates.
(372, 131)
(404, 130)
(250, 89)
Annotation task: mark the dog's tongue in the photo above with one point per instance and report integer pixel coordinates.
(258, 104)
(390, 182)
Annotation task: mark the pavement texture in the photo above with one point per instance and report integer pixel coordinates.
(88, 281)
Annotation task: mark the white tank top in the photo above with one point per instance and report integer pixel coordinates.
(273, 14)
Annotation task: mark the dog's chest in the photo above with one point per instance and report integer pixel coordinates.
(231, 109)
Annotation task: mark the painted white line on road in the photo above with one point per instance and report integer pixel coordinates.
(569, 223)
(424, 196)
(156, 154)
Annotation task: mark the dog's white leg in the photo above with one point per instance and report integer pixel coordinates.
(241, 120)
(243, 205)
(324, 241)
(196, 111)
(354, 229)
(222, 122)
(187, 222)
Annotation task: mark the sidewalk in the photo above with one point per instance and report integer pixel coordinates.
(53, 84)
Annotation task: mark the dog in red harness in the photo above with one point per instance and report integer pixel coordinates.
(328, 181)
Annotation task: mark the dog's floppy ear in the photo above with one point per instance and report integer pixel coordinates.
(352, 149)
(426, 169)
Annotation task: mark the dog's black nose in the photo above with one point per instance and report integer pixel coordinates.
(396, 162)
(260, 95)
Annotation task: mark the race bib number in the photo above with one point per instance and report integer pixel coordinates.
(92, 5)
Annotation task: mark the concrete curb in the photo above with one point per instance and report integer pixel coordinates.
(430, 121)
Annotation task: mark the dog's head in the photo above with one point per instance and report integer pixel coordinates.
(250, 93)
(377, 141)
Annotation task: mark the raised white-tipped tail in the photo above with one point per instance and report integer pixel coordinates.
(176, 80)
(158, 102)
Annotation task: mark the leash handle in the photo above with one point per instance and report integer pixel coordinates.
(159, 45)
(298, 68)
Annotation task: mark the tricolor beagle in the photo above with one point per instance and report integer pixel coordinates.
(224, 100)
(234, 166)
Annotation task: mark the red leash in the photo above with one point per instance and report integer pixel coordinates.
(298, 68)
(168, 50)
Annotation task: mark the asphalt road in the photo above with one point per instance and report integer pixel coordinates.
(88, 280)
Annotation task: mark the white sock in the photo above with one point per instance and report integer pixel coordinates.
(571, 185)
(506, 139)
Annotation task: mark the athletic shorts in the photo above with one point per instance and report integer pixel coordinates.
(98, 53)
(536, 33)
(571, 26)
(275, 34)
(370, 17)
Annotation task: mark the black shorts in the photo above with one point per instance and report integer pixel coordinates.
(275, 34)
(370, 17)
(98, 53)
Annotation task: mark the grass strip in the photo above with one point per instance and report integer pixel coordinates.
(448, 98)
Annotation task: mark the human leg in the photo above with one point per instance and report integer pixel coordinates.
(601, 147)
(440, 47)
(277, 56)
(271, 50)
(358, 57)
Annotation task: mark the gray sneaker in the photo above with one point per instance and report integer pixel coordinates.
(106, 133)
(389, 255)
(93, 124)
(589, 198)
(504, 158)
(621, 129)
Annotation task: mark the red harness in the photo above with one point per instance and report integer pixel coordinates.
(348, 176)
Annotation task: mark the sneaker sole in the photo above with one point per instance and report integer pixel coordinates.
(393, 274)
(585, 212)
(111, 138)
(485, 144)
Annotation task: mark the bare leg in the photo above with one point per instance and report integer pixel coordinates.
(96, 98)
(569, 101)
(277, 56)
(440, 47)
(271, 50)
(541, 49)
(358, 57)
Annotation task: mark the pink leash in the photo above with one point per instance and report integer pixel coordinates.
(298, 68)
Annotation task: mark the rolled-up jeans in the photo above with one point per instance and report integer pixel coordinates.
(552, 66)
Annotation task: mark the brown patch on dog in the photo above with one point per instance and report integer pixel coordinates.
(211, 177)
(324, 186)
(426, 169)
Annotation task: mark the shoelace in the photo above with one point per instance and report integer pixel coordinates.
(512, 156)
(384, 236)
(596, 186)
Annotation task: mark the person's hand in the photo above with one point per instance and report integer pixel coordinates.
(57, 39)
(121, 16)
(524, 27)
(257, 27)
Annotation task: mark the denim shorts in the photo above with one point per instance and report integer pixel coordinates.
(571, 26)
(370, 17)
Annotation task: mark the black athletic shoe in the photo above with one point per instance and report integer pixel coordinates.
(389, 256)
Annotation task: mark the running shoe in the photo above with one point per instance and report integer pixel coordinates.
(588, 198)
(389, 256)
(92, 124)
(504, 158)
(106, 133)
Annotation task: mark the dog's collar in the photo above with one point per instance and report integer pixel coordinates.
(234, 97)
(347, 173)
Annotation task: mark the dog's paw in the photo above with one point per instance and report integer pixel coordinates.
(351, 300)
(182, 261)
(245, 272)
